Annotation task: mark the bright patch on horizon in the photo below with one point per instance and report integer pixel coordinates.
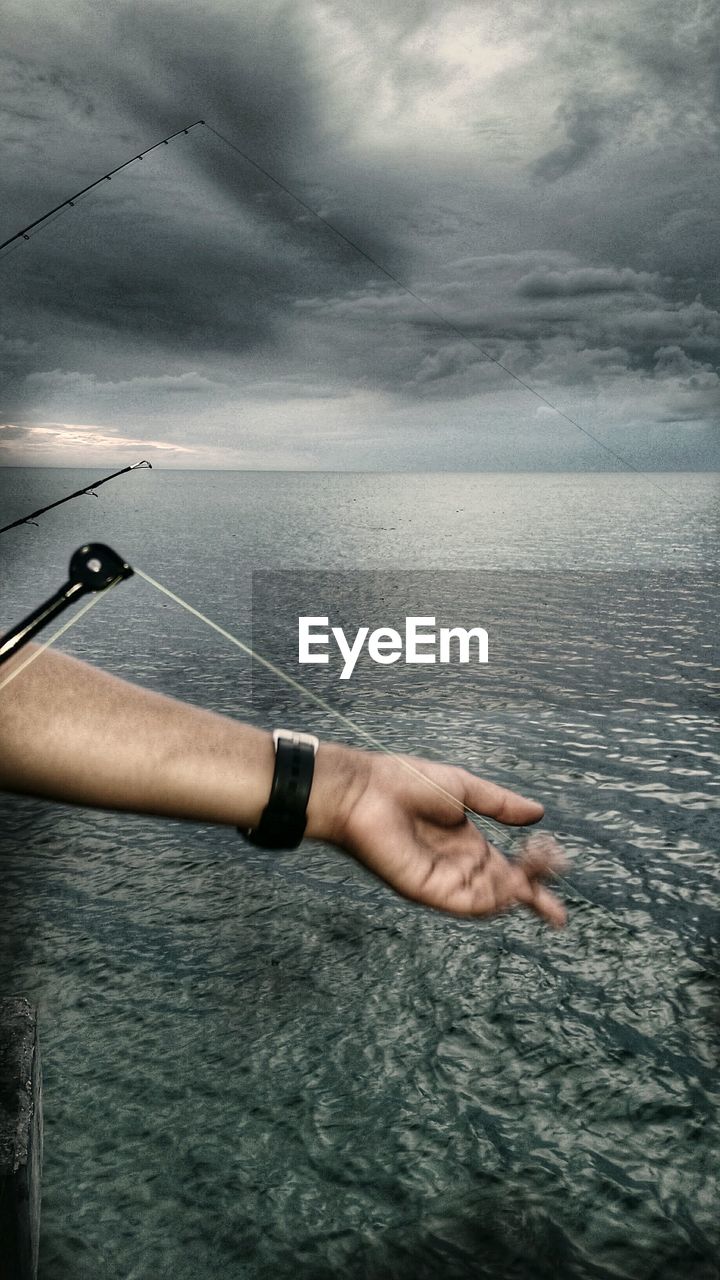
(46, 437)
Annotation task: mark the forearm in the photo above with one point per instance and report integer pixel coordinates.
(71, 732)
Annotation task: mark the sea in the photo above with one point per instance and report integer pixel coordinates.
(261, 1066)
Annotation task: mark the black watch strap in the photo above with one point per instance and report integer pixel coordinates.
(284, 818)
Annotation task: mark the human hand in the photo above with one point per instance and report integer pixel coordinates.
(405, 819)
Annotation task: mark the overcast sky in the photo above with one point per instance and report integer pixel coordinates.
(542, 173)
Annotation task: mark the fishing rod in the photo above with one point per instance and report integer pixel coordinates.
(90, 488)
(24, 233)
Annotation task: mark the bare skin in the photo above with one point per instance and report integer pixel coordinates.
(427, 849)
(72, 733)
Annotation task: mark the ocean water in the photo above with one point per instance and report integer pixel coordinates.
(270, 1065)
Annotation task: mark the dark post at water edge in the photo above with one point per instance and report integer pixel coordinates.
(21, 1138)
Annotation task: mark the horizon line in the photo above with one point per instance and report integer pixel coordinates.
(514, 471)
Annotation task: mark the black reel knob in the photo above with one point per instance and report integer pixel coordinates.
(97, 566)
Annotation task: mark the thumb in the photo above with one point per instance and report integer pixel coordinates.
(499, 803)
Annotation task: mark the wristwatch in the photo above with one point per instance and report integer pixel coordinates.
(284, 818)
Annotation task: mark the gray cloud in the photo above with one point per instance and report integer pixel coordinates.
(548, 185)
(587, 123)
(583, 280)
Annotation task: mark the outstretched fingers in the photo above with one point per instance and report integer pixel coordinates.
(473, 878)
(540, 857)
(503, 884)
(545, 904)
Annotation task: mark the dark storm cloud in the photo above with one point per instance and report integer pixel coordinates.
(545, 177)
(587, 122)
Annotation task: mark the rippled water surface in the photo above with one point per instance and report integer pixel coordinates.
(270, 1066)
